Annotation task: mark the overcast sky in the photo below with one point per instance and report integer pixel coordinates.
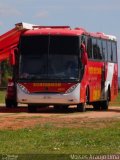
(93, 15)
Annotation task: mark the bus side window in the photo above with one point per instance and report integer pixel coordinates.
(95, 48)
(110, 56)
(104, 50)
(83, 39)
(99, 46)
(114, 51)
(89, 47)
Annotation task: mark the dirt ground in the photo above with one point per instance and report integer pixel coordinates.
(20, 117)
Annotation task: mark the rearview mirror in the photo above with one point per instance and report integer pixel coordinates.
(12, 56)
(84, 57)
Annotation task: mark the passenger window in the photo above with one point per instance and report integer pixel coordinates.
(110, 56)
(104, 49)
(99, 49)
(83, 39)
(95, 48)
(89, 47)
(114, 51)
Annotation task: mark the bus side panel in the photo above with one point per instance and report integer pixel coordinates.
(96, 80)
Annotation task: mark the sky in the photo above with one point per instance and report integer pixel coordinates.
(93, 15)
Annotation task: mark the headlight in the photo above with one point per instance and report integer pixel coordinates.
(71, 88)
(23, 88)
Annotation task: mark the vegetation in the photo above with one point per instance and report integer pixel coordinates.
(2, 96)
(52, 140)
(6, 72)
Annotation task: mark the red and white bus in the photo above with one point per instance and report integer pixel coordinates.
(60, 66)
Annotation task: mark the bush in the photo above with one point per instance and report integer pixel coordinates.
(6, 71)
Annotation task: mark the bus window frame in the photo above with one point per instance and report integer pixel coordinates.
(116, 61)
(105, 58)
(111, 61)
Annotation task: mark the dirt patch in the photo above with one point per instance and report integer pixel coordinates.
(20, 118)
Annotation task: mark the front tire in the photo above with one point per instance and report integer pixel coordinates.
(32, 108)
(61, 107)
(97, 106)
(81, 107)
(10, 103)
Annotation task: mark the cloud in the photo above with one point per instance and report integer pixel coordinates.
(6, 11)
(1, 23)
(42, 14)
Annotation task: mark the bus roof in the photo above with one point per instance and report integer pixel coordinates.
(65, 30)
(11, 38)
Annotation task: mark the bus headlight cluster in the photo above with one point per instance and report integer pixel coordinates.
(23, 89)
(71, 88)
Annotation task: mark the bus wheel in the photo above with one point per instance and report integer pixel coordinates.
(97, 106)
(81, 107)
(104, 105)
(32, 108)
(61, 107)
(65, 107)
(10, 103)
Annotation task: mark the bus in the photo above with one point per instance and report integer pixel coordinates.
(60, 66)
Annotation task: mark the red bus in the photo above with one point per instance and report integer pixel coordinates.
(60, 66)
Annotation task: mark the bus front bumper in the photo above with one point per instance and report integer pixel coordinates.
(48, 98)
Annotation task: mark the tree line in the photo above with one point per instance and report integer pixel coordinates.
(5, 73)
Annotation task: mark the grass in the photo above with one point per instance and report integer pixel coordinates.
(52, 140)
(49, 142)
(2, 96)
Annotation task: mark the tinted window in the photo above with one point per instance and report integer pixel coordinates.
(84, 40)
(110, 56)
(104, 49)
(99, 49)
(34, 45)
(95, 48)
(66, 45)
(114, 51)
(49, 57)
(89, 47)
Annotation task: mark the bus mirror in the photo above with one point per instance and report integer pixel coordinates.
(12, 57)
(84, 57)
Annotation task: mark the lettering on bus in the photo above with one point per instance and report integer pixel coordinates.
(46, 84)
(94, 70)
(96, 94)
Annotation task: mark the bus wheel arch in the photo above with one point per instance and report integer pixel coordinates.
(81, 107)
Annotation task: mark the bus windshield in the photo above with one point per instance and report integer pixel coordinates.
(49, 57)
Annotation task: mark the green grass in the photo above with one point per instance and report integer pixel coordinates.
(52, 140)
(49, 139)
(2, 96)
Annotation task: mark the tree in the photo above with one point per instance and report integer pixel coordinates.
(6, 72)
